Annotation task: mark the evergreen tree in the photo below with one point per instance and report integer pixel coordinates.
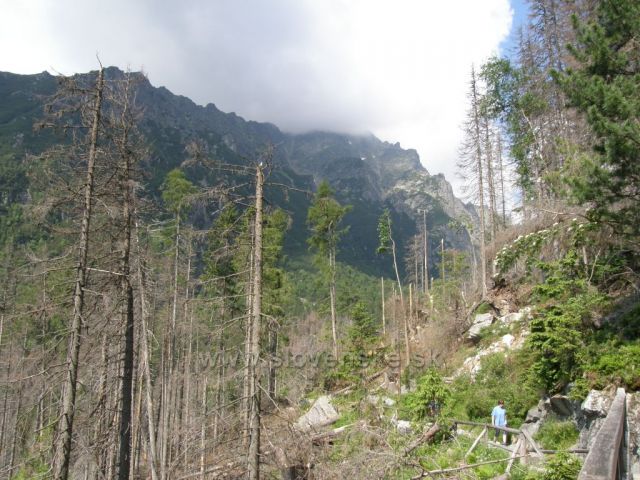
(276, 287)
(606, 87)
(324, 218)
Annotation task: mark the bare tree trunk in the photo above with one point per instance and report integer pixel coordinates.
(220, 382)
(273, 352)
(395, 268)
(502, 192)
(407, 345)
(16, 434)
(112, 442)
(411, 309)
(3, 426)
(490, 178)
(332, 297)
(203, 428)
(168, 393)
(479, 170)
(101, 425)
(254, 444)
(124, 460)
(187, 375)
(425, 280)
(137, 417)
(443, 271)
(62, 456)
(163, 413)
(384, 320)
(246, 387)
(416, 261)
(146, 368)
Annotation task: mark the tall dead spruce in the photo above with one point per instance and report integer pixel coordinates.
(256, 313)
(125, 151)
(62, 447)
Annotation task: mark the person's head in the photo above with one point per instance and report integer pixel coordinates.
(501, 403)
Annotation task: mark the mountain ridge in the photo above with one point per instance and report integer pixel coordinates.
(369, 173)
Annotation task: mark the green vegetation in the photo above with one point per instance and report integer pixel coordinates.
(430, 399)
(557, 435)
(605, 87)
(562, 466)
(500, 377)
(192, 274)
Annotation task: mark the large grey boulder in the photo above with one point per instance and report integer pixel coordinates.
(403, 427)
(539, 412)
(592, 414)
(531, 428)
(518, 316)
(596, 404)
(481, 321)
(562, 405)
(321, 413)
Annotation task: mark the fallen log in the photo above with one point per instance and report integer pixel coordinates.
(426, 437)
(325, 438)
(475, 444)
(478, 424)
(459, 469)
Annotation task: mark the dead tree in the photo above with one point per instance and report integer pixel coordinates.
(256, 313)
(62, 454)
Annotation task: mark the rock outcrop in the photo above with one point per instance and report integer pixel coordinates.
(321, 414)
(481, 321)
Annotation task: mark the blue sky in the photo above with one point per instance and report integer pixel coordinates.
(519, 7)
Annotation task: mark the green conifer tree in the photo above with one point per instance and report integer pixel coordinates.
(324, 218)
(606, 87)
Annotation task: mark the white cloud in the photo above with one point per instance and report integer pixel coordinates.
(397, 68)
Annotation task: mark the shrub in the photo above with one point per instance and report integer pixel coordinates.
(558, 333)
(619, 366)
(555, 435)
(500, 377)
(430, 397)
(562, 466)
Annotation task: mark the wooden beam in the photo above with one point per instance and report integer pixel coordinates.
(533, 443)
(459, 469)
(478, 424)
(475, 443)
(513, 455)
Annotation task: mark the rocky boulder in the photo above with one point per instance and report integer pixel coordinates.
(591, 415)
(472, 364)
(321, 413)
(481, 321)
(562, 406)
(596, 404)
(539, 412)
(518, 316)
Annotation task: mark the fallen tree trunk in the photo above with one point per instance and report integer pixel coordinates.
(327, 437)
(459, 469)
(426, 437)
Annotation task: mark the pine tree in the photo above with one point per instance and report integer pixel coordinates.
(324, 218)
(606, 87)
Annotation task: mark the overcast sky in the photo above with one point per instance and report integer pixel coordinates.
(396, 68)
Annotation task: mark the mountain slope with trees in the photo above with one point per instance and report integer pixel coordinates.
(160, 316)
(366, 172)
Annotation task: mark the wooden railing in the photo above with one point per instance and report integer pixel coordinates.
(607, 458)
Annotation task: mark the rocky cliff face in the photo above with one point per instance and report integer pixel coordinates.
(366, 168)
(365, 172)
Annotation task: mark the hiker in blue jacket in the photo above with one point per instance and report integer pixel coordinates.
(499, 419)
